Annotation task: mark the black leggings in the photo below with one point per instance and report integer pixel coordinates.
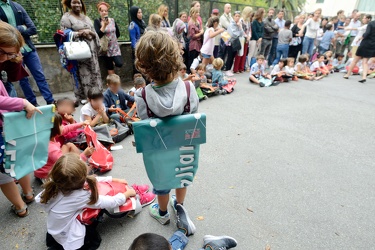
(231, 55)
(192, 55)
(111, 62)
(92, 240)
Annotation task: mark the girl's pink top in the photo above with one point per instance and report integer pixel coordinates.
(9, 104)
(54, 153)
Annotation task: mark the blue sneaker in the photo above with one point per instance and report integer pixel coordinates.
(183, 221)
(154, 212)
(173, 203)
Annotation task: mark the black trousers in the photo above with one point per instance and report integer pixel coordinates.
(92, 240)
(230, 59)
(192, 55)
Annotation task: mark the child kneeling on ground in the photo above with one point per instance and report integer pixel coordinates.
(166, 96)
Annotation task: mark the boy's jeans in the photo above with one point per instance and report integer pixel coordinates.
(179, 241)
(282, 50)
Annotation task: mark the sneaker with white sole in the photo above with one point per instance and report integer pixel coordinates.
(229, 73)
(173, 203)
(183, 220)
(219, 242)
(154, 212)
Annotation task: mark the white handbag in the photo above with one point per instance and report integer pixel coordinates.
(76, 50)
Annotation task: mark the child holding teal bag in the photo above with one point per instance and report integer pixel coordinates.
(157, 57)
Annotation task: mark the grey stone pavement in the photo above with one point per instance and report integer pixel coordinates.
(290, 166)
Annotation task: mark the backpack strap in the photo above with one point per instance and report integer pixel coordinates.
(150, 114)
(187, 105)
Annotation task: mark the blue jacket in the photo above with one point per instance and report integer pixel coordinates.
(123, 97)
(135, 33)
(22, 18)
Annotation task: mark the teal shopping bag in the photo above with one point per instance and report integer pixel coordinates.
(170, 148)
(27, 140)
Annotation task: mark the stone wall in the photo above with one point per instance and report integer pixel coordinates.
(60, 80)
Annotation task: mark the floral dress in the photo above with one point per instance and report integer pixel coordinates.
(88, 69)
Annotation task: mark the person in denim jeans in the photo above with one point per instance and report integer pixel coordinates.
(285, 36)
(312, 26)
(14, 14)
(151, 241)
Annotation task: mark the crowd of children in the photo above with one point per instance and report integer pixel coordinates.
(68, 186)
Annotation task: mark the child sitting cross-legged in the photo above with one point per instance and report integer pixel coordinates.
(257, 70)
(115, 98)
(302, 70)
(56, 149)
(94, 110)
(319, 67)
(278, 71)
(219, 79)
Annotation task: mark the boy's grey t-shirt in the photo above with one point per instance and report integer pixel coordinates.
(284, 36)
(167, 100)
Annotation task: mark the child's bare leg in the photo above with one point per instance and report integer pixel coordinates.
(73, 148)
(253, 79)
(163, 202)
(180, 195)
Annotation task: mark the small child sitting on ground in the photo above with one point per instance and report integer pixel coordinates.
(139, 82)
(56, 150)
(94, 110)
(289, 69)
(278, 71)
(115, 98)
(257, 70)
(338, 63)
(302, 70)
(319, 67)
(329, 60)
(219, 79)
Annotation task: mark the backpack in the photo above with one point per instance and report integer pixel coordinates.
(131, 207)
(118, 131)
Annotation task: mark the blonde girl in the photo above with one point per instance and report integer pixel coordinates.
(163, 12)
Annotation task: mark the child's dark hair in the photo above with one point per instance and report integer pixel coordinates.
(57, 122)
(211, 21)
(139, 81)
(339, 55)
(201, 66)
(302, 58)
(283, 61)
(68, 174)
(94, 93)
(288, 23)
(63, 100)
(329, 26)
(150, 241)
(321, 55)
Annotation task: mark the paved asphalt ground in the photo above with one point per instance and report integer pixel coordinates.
(290, 166)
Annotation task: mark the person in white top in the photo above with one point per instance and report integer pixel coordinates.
(211, 32)
(312, 26)
(67, 192)
(354, 24)
(360, 31)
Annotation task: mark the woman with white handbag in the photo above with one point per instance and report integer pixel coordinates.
(83, 46)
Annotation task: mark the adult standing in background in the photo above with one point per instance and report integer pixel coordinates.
(215, 13)
(365, 51)
(14, 14)
(296, 46)
(361, 30)
(163, 12)
(257, 29)
(184, 17)
(225, 20)
(195, 33)
(354, 24)
(196, 4)
(311, 26)
(136, 29)
(106, 26)
(281, 23)
(83, 29)
(270, 29)
(239, 61)
(235, 31)
(178, 28)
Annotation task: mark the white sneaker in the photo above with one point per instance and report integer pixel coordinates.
(229, 73)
